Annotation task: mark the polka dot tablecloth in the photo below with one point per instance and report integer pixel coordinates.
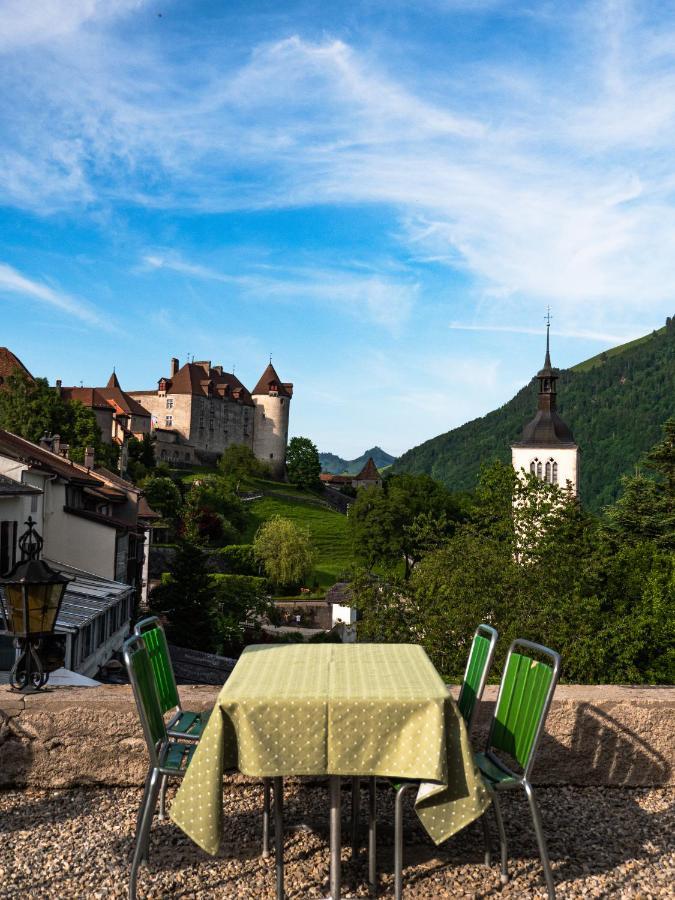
(335, 709)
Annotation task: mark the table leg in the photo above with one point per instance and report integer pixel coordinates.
(279, 834)
(356, 803)
(335, 838)
(372, 835)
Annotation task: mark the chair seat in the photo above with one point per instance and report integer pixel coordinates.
(178, 757)
(188, 724)
(493, 773)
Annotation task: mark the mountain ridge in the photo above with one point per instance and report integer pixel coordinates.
(615, 404)
(336, 465)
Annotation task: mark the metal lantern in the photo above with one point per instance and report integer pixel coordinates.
(33, 592)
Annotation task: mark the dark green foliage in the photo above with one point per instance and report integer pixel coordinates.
(237, 559)
(239, 461)
(544, 570)
(141, 457)
(212, 513)
(302, 463)
(402, 520)
(238, 599)
(187, 599)
(163, 495)
(615, 408)
(30, 408)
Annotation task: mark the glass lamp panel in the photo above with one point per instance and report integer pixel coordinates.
(14, 607)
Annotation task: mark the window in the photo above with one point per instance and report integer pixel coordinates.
(169, 403)
(34, 503)
(7, 546)
(533, 468)
(547, 476)
(169, 421)
(555, 472)
(538, 469)
(271, 455)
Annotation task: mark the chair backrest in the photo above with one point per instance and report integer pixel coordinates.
(477, 667)
(525, 695)
(142, 681)
(153, 635)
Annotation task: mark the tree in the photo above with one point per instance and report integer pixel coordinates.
(238, 461)
(163, 495)
(284, 551)
(212, 511)
(187, 598)
(302, 463)
(141, 457)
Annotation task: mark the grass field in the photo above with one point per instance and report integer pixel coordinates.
(328, 529)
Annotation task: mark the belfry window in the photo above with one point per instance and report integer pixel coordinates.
(533, 468)
(547, 476)
(538, 469)
(555, 471)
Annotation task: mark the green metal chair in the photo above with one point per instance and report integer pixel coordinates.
(523, 702)
(478, 665)
(168, 758)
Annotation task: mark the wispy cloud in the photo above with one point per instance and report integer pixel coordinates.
(374, 297)
(603, 337)
(13, 282)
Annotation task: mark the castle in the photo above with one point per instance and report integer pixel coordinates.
(547, 448)
(198, 410)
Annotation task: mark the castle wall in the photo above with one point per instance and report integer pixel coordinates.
(566, 457)
(271, 431)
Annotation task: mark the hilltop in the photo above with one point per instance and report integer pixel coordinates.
(615, 404)
(338, 466)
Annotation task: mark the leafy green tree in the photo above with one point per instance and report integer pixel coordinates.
(30, 408)
(163, 495)
(187, 600)
(212, 511)
(396, 522)
(302, 463)
(239, 599)
(284, 551)
(141, 458)
(238, 461)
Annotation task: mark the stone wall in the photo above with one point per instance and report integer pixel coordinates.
(596, 735)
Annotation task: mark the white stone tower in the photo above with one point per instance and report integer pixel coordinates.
(547, 448)
(272, 399)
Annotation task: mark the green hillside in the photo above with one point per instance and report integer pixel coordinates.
(615, 404)
(327, 527)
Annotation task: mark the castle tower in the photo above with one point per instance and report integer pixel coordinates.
(547, 447)
(272, 399)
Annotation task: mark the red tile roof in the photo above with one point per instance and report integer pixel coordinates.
(90, 397)
(269, 380)
(196, 378)
(9, 364)
(368, 472)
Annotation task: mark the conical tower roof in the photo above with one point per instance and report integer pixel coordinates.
(369, 472)
(269, 380)
(113, 382)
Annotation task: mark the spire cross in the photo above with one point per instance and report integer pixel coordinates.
(547, 361)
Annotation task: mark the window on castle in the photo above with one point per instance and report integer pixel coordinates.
(547, 476)
(169, 403)
(169, 421)
(539, 470)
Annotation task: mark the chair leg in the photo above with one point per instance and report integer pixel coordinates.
(356, 802)
(266, 819)
(486, 840)
(143, 833)
(398, 840)
(541, 840)
(372, 835)
(503, 847)
(162, 797)
(279, 834)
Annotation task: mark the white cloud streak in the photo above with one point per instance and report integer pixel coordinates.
(13, 282)
(603, 337)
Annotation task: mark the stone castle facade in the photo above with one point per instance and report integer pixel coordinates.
(198, 410)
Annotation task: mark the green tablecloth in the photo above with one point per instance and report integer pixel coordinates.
(335, 709)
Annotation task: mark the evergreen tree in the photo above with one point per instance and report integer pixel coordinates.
(186, 598)
(302, 463)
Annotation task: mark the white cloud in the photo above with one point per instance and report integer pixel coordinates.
(603, 337)
(23, 23)
(374, 297)
(13, 282)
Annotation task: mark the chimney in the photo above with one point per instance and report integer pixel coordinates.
(175, 365)
(46, 441)
(56, 443)
(89, 457)
(64, 451)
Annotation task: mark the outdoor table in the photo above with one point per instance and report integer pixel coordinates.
(335, 709)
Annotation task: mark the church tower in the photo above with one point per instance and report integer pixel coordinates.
(547, 447)
(272, 399)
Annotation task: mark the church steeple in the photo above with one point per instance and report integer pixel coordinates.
(547, 375)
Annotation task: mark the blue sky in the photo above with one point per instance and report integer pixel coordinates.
(385, 196)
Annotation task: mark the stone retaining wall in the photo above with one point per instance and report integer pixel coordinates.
(596, 735)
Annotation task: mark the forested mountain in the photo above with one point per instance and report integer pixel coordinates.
(615, 404)
(338, 466)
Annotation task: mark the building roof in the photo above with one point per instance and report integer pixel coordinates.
(9, 487)
(329, 478)
(369, 472)
(341, 593)
(9, 364)
(88, 396)
(41, 458)
(203, 380)
(119, 399)
(86, 598)
(547, 429)
(145, 511)
(269, 380)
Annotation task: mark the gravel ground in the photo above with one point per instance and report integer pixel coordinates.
(611, 842)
